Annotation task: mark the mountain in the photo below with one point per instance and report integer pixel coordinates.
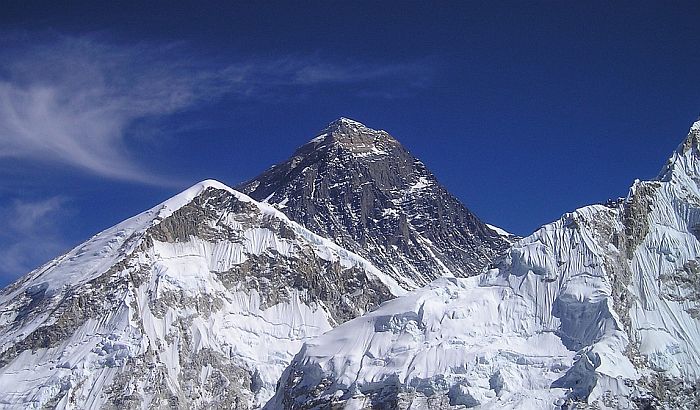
(361, 188)
(600, 309)
(198, 302)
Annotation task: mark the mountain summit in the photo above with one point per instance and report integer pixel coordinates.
(215, 300)
(198, 302)
(598, 310)
(355, 137)
(361, 188)
(203, 300)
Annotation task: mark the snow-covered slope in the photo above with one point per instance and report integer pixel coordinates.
(361, 188)
(599, 309)
(200, 301)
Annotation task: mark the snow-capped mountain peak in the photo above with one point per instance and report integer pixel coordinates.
(352, 137)
(204, 299)
(201, 300)
(363, 189)
(685, 161)
(347, 126)
(599, 309)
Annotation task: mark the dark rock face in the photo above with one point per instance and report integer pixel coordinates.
(636, 311)
(363, 189)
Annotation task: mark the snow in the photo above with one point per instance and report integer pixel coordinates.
(422, 182)
(579, 310)
(668, 335)
(92, 258)
(182, 286)
(499, 231)
(350, 122)
(361, 151)
(318, 139)
(545, 325)
(453, 330)
(470, 332)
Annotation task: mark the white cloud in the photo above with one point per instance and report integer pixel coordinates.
(70, 100)
(30, 235)
(320, 73)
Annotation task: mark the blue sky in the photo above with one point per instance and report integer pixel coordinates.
(524, 110)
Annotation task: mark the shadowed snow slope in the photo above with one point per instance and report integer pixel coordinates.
(201, 301)
(600, 308)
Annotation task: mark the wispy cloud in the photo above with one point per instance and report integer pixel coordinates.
(82, 102)
(30, 235)
(70, 100)
(323, 72)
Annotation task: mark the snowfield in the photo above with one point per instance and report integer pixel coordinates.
(600, 308)
(194, 302)
(214, 300)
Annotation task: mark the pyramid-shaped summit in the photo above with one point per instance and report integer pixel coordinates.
(361, 188)
(597, 310)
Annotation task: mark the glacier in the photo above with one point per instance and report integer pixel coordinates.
(200, 301)
(599, 309)
(215, 299)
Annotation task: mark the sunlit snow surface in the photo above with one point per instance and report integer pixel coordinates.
(138, 334)
(598, 307)
(593, 308)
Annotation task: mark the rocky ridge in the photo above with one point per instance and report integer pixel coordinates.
(200, 301)
(361, 188)
(596, 310)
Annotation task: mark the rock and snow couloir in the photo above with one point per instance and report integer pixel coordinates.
(201, 301)
(599, 309)
(361, 188)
